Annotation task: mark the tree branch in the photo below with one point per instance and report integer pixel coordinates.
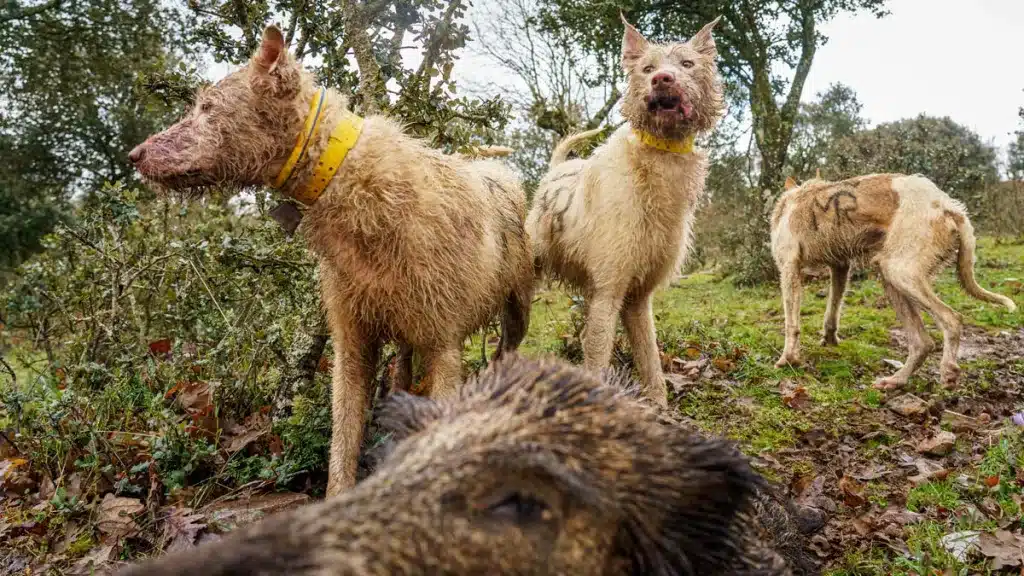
(15, 12)
(370, 86)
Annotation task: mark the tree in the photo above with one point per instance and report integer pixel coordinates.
(1015, 154)
(820, 124)
(376, 35)
(71, 108)
(951, 155)
(552, 81)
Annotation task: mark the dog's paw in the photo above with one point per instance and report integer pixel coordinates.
(888, 383)
(788, 360)
(830, 340)
(949, 375)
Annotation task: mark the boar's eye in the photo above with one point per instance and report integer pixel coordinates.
(687, 63)
(205, 106)
(519, 508)
(648, 69)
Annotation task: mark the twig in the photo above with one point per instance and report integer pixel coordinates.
(210, 292)
(14, 377)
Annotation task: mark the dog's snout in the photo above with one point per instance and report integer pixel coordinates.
(663, 79)
(137, 153)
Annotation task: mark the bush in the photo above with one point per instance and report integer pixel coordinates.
(149, 345)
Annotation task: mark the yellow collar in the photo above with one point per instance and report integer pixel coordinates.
(684, 146)
(340, 142)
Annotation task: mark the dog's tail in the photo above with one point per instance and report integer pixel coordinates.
(489, 152)
(965, 265)
(569, 143)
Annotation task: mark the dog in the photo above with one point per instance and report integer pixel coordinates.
(618, 225)
(904, 225)
(416, 246)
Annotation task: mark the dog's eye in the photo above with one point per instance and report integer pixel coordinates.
(648, 69)
(206, 106)
(687, 63)
(518, 508)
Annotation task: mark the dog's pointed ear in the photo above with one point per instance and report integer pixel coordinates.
(633, 43)
(271, 50)
(790, 183)
(703, 41)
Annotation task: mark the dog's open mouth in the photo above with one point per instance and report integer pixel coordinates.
(669, 105)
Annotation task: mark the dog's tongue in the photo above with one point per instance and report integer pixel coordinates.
(687, 109)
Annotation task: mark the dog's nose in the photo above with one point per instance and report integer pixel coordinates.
(137, 153)
(663, 79)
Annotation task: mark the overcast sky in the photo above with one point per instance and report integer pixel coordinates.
(961, 59)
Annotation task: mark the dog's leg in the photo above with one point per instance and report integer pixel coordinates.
(792, 291)
(919, 343)
(403, 368)
(912, 281)
(355, 360)
(638, 320)
(840, 276)
(444, 371)
(599, 333)
(515, 319)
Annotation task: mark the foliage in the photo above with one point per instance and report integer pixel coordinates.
(820, 124)
(70, 115)
(377, 34)
(1015, 154)
(137, 308)
(951, 155)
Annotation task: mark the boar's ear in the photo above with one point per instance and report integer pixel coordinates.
(271, 50)
(406, 414)
(633, 44)
(790, 183)
(703, 42)
(699, 522)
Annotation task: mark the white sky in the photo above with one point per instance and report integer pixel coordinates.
(961, 59)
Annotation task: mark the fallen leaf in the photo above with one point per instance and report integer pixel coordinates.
(853, 492)
(907, 405)
(227, 516)
(97, 558)
(793, 395)
(253, 428)
(723, 365)
(992, 481)
(195, 396)
(939, 445)
(679, 383)
(116, 516)
(927, 471)
(1006, 549)
(692, 352)
(181, 528)
(160, 347)
(871, 472)
(900, 516)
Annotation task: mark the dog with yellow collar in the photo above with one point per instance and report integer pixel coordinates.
(617, 225)
(416, 247)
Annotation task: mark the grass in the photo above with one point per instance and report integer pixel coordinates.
(703, 315)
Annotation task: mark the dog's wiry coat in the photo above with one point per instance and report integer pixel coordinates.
(415, 245)
(907, 227)
(535, 467)
(617, 225)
